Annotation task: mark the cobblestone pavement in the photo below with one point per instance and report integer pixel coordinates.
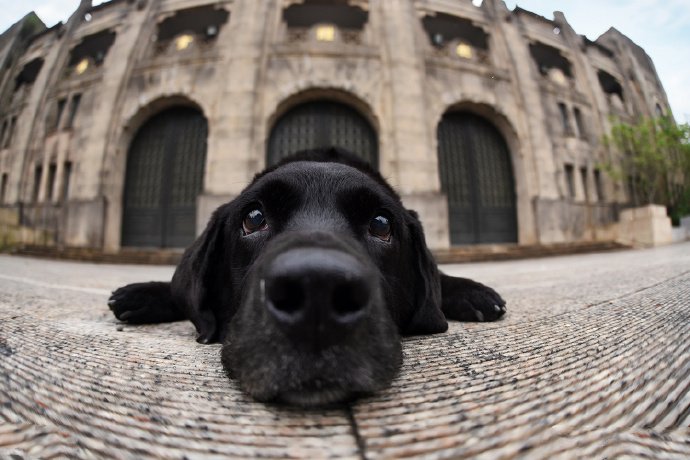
(592, 361)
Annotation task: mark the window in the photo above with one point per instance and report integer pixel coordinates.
(659, 111)
(3, 188)
(580, 123)
(570, 179)
(609, 84)
(443, 28)
(599, 185)
(3, 131)
(10, 132)
(92, 48)
(38, 173)
(52, 171)
(27, 76)
(66, 176)
(547, 57)
(565, 119)
(634, 186)
(74, 107)
(308, 13)
(203, 22)
(60, 109)
(583, 175)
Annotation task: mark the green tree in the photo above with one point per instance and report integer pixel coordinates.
(654, 161)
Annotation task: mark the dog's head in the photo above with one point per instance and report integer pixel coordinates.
(309, 277)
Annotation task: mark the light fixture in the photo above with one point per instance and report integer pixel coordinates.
(558, 76)
(464, 51)
(325, 33)
(182, 42)
(477, 3)
(82, 66)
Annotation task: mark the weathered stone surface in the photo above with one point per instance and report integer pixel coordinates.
(253, 69)
(645, 226)
(591, 361)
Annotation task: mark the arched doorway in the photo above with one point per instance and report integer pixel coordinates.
(322, 123)
(165, 172)
(477, 177)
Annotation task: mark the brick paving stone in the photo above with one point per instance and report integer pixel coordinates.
(592, 361)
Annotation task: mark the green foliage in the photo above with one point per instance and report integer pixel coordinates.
(654, 162)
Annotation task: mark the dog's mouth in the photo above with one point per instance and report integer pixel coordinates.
(317, 393)
(339, 375)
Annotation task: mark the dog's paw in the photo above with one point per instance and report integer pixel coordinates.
(467, 300)
(142, 303)
(483, 304)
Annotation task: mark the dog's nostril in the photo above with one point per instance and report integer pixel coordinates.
(349, 298)
(286, 295)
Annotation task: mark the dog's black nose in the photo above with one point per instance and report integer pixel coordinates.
(317, 294)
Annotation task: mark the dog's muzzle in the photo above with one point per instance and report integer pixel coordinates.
(313, 326)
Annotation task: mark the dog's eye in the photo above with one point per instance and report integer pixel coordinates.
(254, 221)
(380, 227)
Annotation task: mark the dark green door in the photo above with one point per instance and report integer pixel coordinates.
(165, 173)
(477, 177)
(322, 124)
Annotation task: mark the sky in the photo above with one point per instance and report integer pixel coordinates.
(661, 27)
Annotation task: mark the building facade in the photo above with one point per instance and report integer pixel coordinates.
(127, 125)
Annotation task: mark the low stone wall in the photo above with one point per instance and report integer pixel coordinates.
(645, 226)
(14, 233)
(565, 221)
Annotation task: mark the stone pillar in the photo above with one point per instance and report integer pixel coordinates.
(30, 126)
(100, 133)
(411, 158)
(532, 152)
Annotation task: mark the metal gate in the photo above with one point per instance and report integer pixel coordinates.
(477, 176)
(322, 124)
(165, 172)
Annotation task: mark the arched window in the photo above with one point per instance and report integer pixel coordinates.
(477, 177)
(322, 123)
(165, 171)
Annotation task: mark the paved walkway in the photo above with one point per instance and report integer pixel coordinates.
(592, 361)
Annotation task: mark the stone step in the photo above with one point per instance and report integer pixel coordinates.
(125, 256)
(457, 254)
(493, 252)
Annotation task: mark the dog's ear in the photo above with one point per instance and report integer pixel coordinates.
(195, 285)
(427, 317)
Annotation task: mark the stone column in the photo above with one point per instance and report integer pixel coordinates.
(234, 152)
(411, 159)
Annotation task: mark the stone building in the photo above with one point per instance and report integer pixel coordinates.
(127, 125)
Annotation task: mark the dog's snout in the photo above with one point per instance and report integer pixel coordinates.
(317, 294)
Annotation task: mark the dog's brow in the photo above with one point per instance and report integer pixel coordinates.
(279, 193)
(361, 198)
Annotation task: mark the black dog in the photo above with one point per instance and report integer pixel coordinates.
(308, 278)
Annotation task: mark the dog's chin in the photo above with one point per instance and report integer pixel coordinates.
(330, 377)
(312, 397)
(313, 384)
